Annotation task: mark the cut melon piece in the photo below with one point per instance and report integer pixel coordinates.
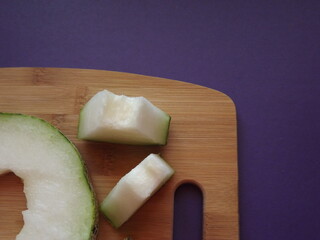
(135, 188)
(60, 201)
(120, 119)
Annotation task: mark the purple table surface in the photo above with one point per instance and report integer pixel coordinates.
(264, 54)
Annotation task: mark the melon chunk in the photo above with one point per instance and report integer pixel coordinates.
(120, 119)
(135, 188)
(60, 200)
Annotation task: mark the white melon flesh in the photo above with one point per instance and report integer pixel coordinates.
(60, 201)
(120, 119)
(135, 188)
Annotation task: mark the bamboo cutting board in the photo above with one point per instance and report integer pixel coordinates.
(202, 146)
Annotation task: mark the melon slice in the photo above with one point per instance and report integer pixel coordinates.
(135, 188)
(60, 200)
(120, 119)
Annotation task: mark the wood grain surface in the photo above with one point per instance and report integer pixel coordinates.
(202, 146)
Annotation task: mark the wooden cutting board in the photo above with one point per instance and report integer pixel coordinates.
(202, 146)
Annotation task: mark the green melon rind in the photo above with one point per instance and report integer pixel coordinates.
(167, 130)
(94, 227)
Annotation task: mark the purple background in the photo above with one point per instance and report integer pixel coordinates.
(264, 54)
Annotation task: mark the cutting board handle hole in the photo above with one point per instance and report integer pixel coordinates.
(188, 212)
